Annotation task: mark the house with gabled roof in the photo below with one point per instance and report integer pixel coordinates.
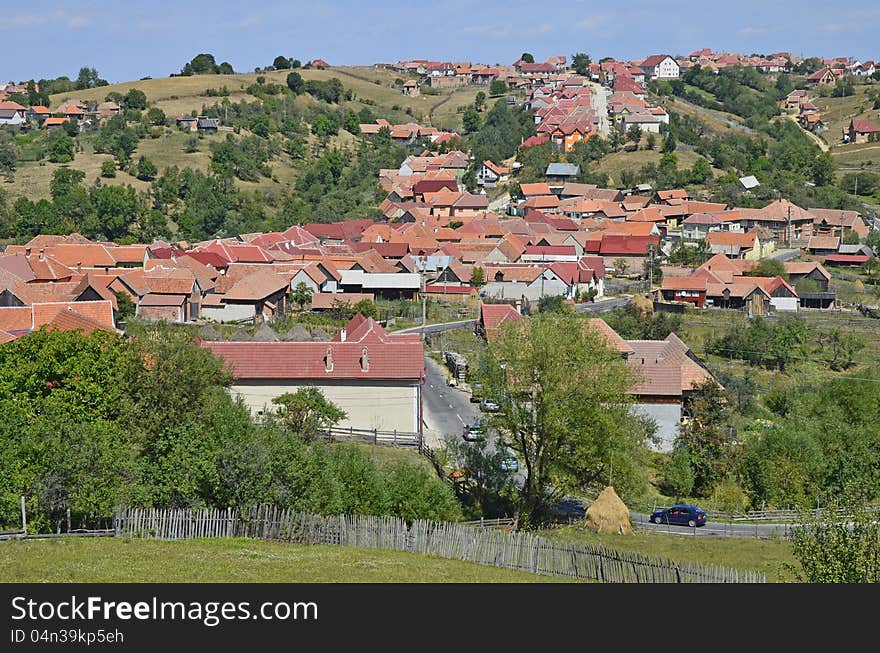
(861, 131)
(374, 376)
(492, 317)
(491, 173)
(661, 66)
(821, 77)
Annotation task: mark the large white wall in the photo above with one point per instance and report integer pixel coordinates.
(381, 405)
(667, 417)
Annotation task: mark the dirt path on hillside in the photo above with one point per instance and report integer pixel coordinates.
(822, 144)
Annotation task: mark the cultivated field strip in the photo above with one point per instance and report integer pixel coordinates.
(486, 546)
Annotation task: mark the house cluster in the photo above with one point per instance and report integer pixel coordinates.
(722, 282)
(666, 371)
(408, 133)
(448, 74)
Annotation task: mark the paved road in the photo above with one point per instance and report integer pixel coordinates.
(445, 409)
(576, 509)
(599, 103)
(603, 305)
(437, 328)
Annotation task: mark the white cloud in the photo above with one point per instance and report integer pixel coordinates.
(591, 23)
(77, 22)
(750, 31)
(247, 21)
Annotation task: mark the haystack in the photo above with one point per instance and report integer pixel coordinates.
(209, 333)
(608, 514)
(264, 334)
(319, 335)
(297, 334)
(241, 335)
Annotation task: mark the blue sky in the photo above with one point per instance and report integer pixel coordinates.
(127, 40)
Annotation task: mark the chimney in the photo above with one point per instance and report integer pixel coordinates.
(342, 335)
(79, 266)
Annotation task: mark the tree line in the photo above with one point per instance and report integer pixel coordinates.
(94, 422)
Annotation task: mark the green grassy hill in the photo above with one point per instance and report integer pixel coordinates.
(372, 88)
(113, 560)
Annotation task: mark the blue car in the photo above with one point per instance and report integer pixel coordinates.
(680, 514)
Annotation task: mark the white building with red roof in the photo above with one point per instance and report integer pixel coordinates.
(374, 376)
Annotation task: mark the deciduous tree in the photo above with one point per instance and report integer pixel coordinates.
(563, 409)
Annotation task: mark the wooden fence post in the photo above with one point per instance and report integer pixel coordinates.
(23, 517)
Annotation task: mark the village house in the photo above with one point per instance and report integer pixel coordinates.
(661, 66)
(374, 376)
(411, 88)
(12, 114)
(558, 174)
(492, 317)
(861, 131)
(490, 174)
(822, 77)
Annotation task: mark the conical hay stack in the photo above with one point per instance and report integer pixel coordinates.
(608, 514)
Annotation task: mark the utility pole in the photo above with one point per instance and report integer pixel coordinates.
(788, 226)
(424, 293)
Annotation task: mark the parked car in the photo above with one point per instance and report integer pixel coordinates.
(680, 514)
(473, 433)
(489, 406)
(509, 463)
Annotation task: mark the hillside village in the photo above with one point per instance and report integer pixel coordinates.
(339, 302)
(438, 240)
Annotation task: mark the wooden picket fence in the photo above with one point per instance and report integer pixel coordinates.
(519, 551)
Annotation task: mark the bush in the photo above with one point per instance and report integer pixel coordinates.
(837, 552)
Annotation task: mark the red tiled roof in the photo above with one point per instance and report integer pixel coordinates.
(847, 258)
(387, 356)
(864, 126)
(99, 312)
(614, 245)
(16, 318)
(72, 320)
(492, 316)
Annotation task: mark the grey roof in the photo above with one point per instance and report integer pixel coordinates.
(749, 181)
(854, 249)
(406, 280)
(432, 263)
(208, 123)
(563, 170)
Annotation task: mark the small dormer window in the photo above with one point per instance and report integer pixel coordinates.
(365, 360)
(328, 360)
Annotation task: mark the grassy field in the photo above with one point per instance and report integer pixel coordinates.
(383, 455)
(767, 556)
(838, 111)
(614, 164)
(862, 154)
(176, 95)
(372, 88)
(716, 121)
(112, 560)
